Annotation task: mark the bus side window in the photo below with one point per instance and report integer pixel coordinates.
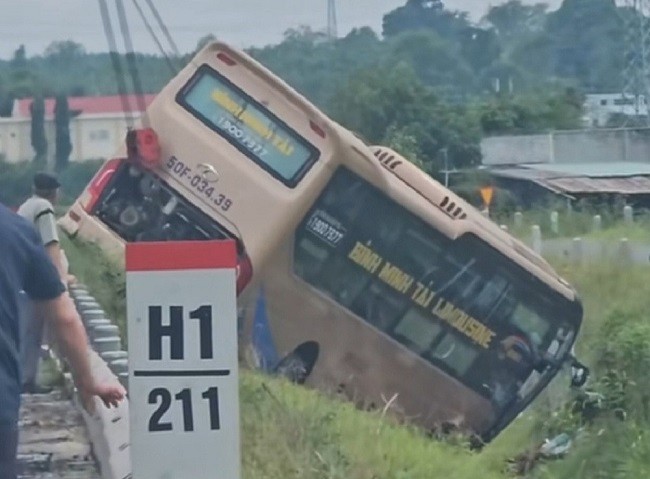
(378, 305)
(344, 198)
(343, 281)
(310, 259)
(455, 353)
(416, 331)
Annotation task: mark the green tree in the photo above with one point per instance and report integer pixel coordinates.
(63, 146)
(390, 103)
(532, 112)
(588, 41)
(404, 143)
(436, 61)
(23, 81)
(38, 137)
(424, 14)
(19, 60)
(317, 67)
(64, 53)
(6, 102)
(204, 41)
(513, 20)
(479, 47)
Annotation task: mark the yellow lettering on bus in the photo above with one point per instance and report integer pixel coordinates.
(231, 106)
(282, 144)
(365, 257)
(395, 277)
(221, 97)
(422, 295)
(255, 124)
(463, 322)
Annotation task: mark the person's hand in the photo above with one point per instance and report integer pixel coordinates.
(110, 394)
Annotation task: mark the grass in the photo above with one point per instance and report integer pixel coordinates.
(294, 432)
(581, 224)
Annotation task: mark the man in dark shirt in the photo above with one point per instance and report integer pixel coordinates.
(25, 265)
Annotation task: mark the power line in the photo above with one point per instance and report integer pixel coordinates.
(117, 64)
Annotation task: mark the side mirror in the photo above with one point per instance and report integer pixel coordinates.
(579, 373)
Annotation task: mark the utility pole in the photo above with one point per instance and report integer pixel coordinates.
(332, 29)
(636, 70)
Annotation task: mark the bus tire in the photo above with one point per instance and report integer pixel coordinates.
(298, 364)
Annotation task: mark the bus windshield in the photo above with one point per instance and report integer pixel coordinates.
(247, 125)
(460, 305)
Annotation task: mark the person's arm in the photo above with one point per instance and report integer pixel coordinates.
(71, 337)
(45, 223)
(54, 252)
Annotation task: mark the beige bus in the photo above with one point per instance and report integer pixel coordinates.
(380, 284)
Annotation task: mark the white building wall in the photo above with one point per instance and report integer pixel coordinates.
(92, 137)
(512, 150)
(14, 135)
(590, 146)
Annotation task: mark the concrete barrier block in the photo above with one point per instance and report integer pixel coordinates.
(628, 215)
(105, 331)
(89, 314)
(87, 305)
(108, 429)
(577, 250)
(119, 366)
(109, 356)
(111, 343)
(624, 251)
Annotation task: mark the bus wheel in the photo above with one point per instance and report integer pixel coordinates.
(298, 364)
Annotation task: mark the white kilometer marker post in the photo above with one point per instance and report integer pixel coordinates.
(183, 372)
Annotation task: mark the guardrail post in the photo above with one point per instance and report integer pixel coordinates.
(555, 222)
(628, 215)
(624, 251)
(519, 219)
(537, 239)
(576, 249)
(597, 223)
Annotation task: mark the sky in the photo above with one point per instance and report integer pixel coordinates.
(243, 23)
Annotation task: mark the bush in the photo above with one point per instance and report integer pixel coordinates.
(16, 180)
(75, 177)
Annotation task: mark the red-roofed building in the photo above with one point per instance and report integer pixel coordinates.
(98, 126)
(88, 105)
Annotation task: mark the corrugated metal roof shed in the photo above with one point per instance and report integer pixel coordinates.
(593, 170)
(583, 178)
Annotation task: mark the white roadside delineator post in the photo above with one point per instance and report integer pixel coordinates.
(183, 370)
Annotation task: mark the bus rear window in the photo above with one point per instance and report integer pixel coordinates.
(247, 125)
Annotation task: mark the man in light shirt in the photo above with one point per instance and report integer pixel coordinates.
(39, 211)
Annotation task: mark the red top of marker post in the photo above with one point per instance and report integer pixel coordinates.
(180, 255)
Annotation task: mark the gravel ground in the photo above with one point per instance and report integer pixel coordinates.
(53, 440)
